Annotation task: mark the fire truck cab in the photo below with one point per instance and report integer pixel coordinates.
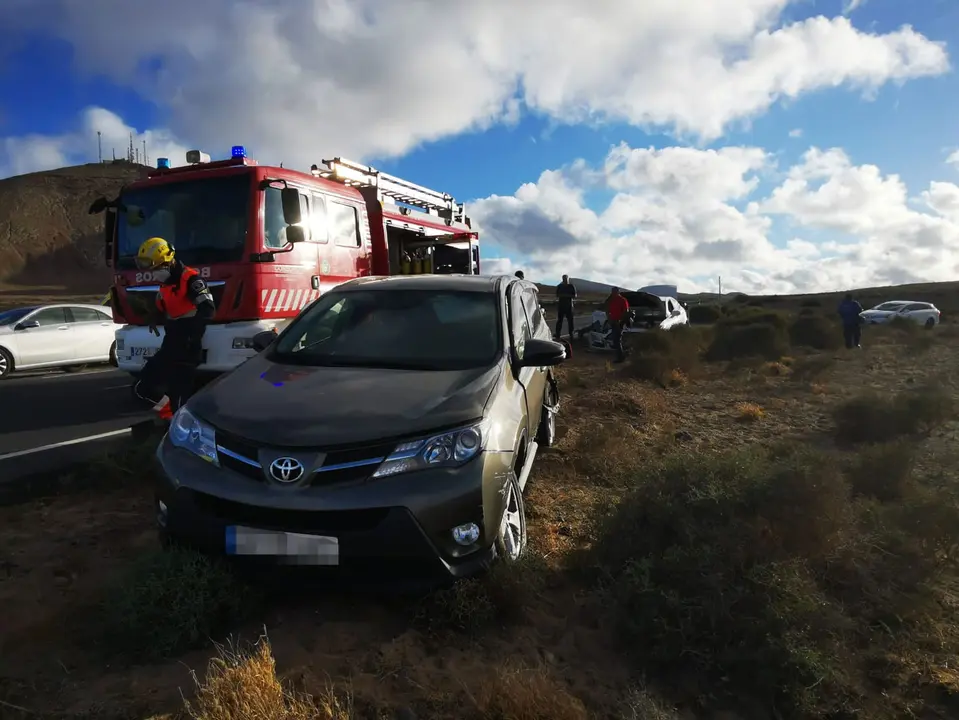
(269, 240)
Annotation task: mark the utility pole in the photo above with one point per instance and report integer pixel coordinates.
(99, 147)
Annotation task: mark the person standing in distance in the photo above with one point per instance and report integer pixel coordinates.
(849, 311)
(565, 297)
(184, 305)
(617, 308)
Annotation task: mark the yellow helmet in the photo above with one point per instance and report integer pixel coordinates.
(153, 253)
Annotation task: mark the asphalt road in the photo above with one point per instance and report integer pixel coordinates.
(42, 415)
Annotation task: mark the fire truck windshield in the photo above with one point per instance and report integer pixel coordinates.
(204, 220)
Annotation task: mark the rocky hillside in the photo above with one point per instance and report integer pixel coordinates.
(47, 238)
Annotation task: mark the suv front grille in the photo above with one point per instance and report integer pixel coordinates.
(339, 465)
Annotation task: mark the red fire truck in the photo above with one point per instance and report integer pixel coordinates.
(269, 241)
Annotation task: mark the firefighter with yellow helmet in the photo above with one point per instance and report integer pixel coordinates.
(184, 306)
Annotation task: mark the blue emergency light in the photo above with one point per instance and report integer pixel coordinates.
(239, 151)
(163, 163)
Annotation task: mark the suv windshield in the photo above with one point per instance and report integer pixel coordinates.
(9, 317)
(204, 220)
(890, 306)
(407, 329)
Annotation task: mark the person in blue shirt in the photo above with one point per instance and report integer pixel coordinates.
(849, 311)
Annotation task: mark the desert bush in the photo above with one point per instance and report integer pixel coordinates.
(656, 355)
(473, 605)
(704, 314)
(755, 577)
(521, 694)
(807, 369)
(170, 601)
(755, 316)
(815, 331)
(884, 472)
(881, 418)
(749, 412)
(811, 303)
(768, 341)
(244, 686)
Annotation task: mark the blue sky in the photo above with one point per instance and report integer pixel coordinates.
(906, 126)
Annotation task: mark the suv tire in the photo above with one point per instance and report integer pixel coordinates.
(546, 432)
(511, 538)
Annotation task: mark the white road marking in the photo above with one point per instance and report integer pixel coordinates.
(66, 443)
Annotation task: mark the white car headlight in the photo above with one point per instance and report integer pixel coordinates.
(189, 433)
(451, 449)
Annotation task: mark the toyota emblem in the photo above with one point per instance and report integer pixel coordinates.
(286, 470)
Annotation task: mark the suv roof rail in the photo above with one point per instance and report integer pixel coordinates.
(396, 189)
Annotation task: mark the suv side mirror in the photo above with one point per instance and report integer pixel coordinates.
(542, 353)
(263, 340)
(27, 325)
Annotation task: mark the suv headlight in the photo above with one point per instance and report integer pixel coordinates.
(451, 449)
(190, 433)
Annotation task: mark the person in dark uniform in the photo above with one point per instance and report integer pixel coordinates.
(520, 275)
(565, 297)
(849, 311)
(184, 306)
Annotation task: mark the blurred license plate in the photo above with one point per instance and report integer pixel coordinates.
(312, 549)
(142, 352)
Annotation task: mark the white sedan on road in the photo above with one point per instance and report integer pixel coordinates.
(67, 336)
(923, 313)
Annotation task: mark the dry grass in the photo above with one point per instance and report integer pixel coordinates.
(749, 412)
(792, 576)
(244, 686)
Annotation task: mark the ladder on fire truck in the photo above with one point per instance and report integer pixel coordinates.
(396, 189)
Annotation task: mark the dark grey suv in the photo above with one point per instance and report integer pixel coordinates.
(391, 427)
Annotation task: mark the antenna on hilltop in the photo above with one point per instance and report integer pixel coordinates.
(99, 147)
(130, 156)
(145, 160)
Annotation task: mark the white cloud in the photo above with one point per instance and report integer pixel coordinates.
(32, 153)
(298, 80)
(685, 215)
(953, 158)
(795, 133)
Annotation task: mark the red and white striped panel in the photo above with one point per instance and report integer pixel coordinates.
(286, 300)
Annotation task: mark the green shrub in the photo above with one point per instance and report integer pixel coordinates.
(171, 601)
(755, 580)
(751, 316)
(811, 303)
(655, 355)
(884, 472)
(704, 314)
(882, 418)
(815, 332)
(756, 339)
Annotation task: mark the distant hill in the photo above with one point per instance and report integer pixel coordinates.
(47, 238)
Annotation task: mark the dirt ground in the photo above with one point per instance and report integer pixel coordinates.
(57, 555)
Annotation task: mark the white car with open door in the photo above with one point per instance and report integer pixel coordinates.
(68, 336)
(922, 313)
(648, 312)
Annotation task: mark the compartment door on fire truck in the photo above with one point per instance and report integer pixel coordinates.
(348, 241)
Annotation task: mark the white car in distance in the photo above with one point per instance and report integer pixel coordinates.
(68, 336)
(649, 312)
(922, 313)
